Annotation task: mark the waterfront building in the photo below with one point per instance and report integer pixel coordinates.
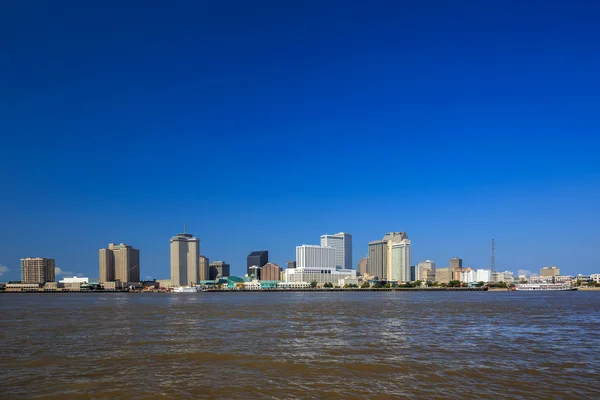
(398, 256)
(309, 256)
(342, 243)
(483, 275)
(119, 262)
(362, 265)
(37, 270)
(270, 272)
(185, 259)
(595, 278)
(219, 269)
(291, 264)
(204, 266)
(443, 275)
(255, 261)
(550, 271)
(377, 263)
(293, 285)
(503, 276)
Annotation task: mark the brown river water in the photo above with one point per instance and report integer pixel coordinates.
(419, 345)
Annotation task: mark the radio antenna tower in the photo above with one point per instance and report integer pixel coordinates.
(493, 261)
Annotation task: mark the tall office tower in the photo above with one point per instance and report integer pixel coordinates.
(37, 270)
(342, 243)
(270, 272)
(362, 265)
(377, 263)
(308, 256)
(204, 266)
(119, 262)
(550, 271)
(456, 268)
(255, 261)
(291, 264)
(398, 256)
(218, 269)
(185, 259)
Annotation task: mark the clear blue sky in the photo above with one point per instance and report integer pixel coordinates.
(264, 124)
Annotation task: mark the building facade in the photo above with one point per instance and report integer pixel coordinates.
(443, 275)
(377, 263)
(342, 243)
(291, 264)
(255, 261)
(38, 270)
(398, 257)
(483, 275)
(219, 269)
(316, 257)
(425, 271)
(204, 265)
(185, 259)
(270, 272)
(119, 262)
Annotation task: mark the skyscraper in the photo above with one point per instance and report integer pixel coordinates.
(425, 271)
(119, 262)
(255, 261)
(377, 263)
(398, 256)
(291, 264)
(455, 268)
(185, 259)
(37, 270)
(204, 265)
(342, 243)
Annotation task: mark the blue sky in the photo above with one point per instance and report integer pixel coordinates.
(265, 124)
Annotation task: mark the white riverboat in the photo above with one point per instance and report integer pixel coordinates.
(186, 289)
(542, 287)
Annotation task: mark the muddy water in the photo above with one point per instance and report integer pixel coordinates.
(300, 345)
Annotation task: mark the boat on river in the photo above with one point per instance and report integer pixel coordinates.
(186, 289)
(543, 287)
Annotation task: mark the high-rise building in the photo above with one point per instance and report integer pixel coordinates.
(37, 270)
(398, 254)
(204, 265)
(377, 263)
(255, 261)
(342, 243)
(550, 271)
(456, 268)
(291, 264)
(119, 262)
(185, 259)
(308, 256)
(270, 272)
(218, 269)
(363, 265)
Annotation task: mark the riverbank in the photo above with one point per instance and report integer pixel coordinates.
(429, 289)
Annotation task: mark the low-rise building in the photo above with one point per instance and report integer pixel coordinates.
(443, 275)
(293, 285)
(595, 278)
(22, 287)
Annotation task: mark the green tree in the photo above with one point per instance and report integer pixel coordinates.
(443, 284)
(502, 285)
(417, 283)
(365, 285)
(313, 284)
(376, 285)
(454, 283)
(387, 285)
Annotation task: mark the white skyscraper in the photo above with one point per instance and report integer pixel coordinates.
(398, 256)
(342, 243)
(185, 257)
(308, 256)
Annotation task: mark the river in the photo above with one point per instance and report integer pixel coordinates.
(414, 345)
